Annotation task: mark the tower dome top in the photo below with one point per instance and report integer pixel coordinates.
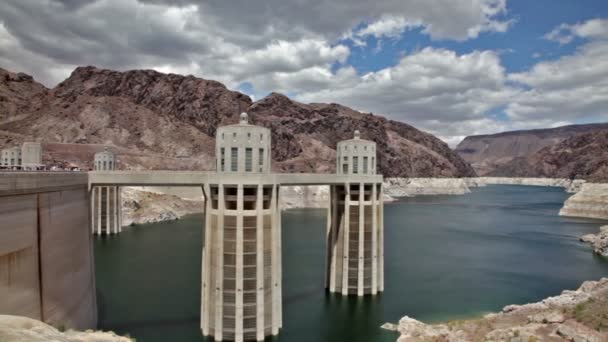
(357, 134)
(244, 118)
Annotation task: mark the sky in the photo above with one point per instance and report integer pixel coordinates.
(449, 67)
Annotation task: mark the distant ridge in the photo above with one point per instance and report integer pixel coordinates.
(150, 118)
(508, 153)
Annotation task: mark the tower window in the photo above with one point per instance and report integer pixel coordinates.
(355, 164)
(222, 159)
(345, 168)
(261, 159)
(365, 165)
(249, 136)
(373, 165)
(261, 137)
(234, 158)
(248, 161)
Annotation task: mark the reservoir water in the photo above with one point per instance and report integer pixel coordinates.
(446, 257)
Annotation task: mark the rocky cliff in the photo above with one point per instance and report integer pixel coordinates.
(488, 153)
(583, 156)
(20, 95)
(591, 201)
(166, 121)
(580, 315)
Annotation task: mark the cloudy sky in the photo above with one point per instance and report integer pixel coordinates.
(450, 67)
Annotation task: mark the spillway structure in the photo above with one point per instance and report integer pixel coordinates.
(355, 234)
(106, 208)
(241, 278)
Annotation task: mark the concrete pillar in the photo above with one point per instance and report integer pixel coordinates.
(333, 238)
(219, 267)
(92, 205)
(238, 324)
(206, 262)
(346, 240)
(360, 266)
(381, 241)
(107, 227)
(279, 266)
(365, 256)
(119, 204)
(374, 240)
(115, 210)
(251, 321)
(275, 260)
(260, 300)
(98, 189)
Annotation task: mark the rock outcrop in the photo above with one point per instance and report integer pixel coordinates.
(580, 315)
(598, 242)
(488, 153)
(582, 156)
(141, 207)
(314, 196)
(406, 187)
(591, 201)
(22, 329)
(569, 184)
(166, 121)
(19, 95)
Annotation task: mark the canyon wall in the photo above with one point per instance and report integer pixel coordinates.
(591, 201)
(507, 153)
(46, 254)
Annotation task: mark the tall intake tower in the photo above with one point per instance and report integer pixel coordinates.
(355, 235)
(106, 208)
(241, 279)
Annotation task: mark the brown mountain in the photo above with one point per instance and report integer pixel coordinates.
(583, 156)
(488, 153)
(166, 121)
(19, 95)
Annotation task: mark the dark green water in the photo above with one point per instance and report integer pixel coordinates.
(446, 257)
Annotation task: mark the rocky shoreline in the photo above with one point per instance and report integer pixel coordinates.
(591, 201)
(171, 206)
(580, 315)
(20, 329)
(140, 206)
(599, 242)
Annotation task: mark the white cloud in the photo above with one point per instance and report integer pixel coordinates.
(467, 20)
(573, 87)
(591, 29)
(293, 47)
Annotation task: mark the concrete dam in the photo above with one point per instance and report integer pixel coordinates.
(47, 220)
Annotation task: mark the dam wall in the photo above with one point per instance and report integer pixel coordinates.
(46, 255)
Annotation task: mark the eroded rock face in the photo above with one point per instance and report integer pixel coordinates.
(591, 201)
(572, 316)
(502, 154)
(148, 117)
(583, 156)
(405, 187)
(19, 95)
(22, 329)
(598, 242)
(141, 207)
